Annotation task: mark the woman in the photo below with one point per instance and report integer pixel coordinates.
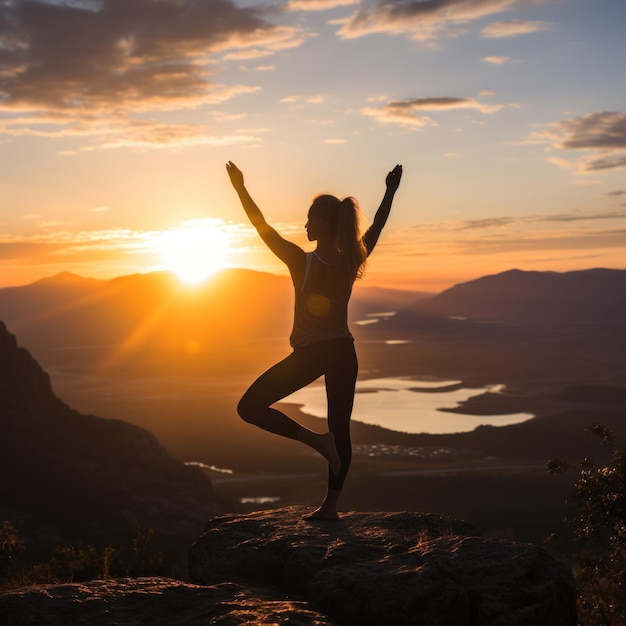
(321, 341)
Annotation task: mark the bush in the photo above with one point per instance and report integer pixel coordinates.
(79, 562)
(599, 533)
(10, 547)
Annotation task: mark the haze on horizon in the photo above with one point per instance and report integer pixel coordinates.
(116, 120)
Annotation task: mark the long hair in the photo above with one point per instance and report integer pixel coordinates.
(344, 217)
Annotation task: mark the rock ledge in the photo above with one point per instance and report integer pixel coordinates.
(388, 568)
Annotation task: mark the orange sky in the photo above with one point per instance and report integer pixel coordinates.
(116, 120)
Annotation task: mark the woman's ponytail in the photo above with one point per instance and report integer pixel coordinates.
(349, 239)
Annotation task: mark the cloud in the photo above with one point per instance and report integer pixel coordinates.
(587, 240)
(462, 250)
(601, 136)
(502, 236)
(604, 130)
(120, 132)
(495, 60)
(20, 250)
(294, 99)
(585, 217)
(488, 222)
(512, 28)
(52, 245)
(423, 21)
(407, 112)
(85, 66)
(605, 163)
(573, 216)
(318, 5)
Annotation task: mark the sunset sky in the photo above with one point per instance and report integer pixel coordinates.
(118, 116)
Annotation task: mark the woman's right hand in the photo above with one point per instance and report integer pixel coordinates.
(235, 174)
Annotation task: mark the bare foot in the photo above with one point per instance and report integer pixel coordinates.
(321, 515)
(329, 451)
(324, 444)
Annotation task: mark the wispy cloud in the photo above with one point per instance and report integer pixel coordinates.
(513, 28)
(541, 242)
(62, 244)
(509, 241)
(408, 112)
(600, 136)
(89, 68)
(573, 216)
(497, 60)
(423, 21)
(295, 99)
(318, 5)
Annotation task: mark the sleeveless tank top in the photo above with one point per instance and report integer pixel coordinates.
(321, 303)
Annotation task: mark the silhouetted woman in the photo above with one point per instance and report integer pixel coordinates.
(321, 340)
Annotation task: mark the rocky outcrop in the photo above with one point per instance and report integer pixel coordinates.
(388, 568)
(75, 476)
(271, 567)
(24, 386)
(156, 601)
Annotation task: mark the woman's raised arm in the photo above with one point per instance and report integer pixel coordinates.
(392, 181)
(288, 252)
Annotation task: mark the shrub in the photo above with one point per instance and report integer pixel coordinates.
(10, 547)
(599, 533)
(80, 562)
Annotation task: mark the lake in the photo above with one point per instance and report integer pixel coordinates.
(409, 405)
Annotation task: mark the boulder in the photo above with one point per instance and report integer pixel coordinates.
(133, 601)
(388, 568)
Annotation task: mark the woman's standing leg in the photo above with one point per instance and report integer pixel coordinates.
(340, 377)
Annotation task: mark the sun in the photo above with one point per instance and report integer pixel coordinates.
(195, 251)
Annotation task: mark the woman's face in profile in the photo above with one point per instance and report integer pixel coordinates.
(313, 226)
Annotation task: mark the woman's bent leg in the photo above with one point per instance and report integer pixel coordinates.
(281, 380)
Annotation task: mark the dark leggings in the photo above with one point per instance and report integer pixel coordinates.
(336, 361)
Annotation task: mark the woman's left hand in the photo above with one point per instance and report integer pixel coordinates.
(393, 178)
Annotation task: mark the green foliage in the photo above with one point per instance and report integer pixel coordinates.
(599, 532)
(80, 562)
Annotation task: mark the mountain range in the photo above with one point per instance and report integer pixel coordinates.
(234, 307)
(587, 296)
(63, 463)
(239, 305)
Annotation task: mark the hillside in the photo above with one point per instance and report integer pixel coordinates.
(589, 296)
(69, 476)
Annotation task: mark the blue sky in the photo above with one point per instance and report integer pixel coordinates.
(509, 117)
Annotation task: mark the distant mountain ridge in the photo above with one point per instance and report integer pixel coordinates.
(595, 295)
(235, 306)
